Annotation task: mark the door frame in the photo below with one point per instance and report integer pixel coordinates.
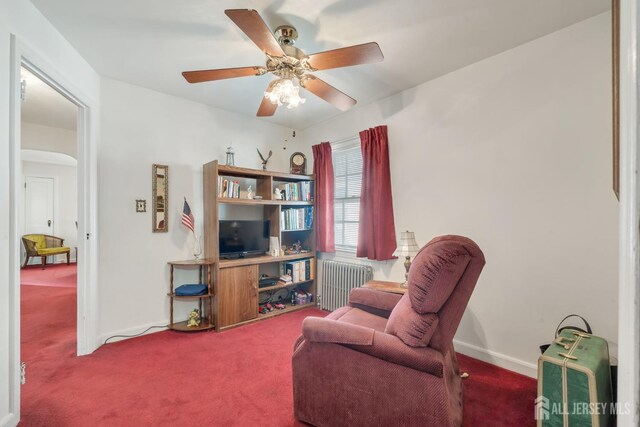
(23, 228)
(629, 236)
(87, 193)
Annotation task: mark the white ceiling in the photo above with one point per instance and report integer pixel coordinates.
(50, 157)
(46, 106)
(150, 42)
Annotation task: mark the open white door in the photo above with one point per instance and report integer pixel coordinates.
(629, 297)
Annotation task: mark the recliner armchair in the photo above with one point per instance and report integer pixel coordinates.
(387, 359)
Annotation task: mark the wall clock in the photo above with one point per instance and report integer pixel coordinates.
(298, 163)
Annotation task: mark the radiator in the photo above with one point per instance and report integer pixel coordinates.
(338, 278)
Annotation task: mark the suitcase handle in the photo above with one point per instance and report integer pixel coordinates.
(558, 329)
(561, 342)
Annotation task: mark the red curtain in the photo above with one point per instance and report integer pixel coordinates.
(377, 233)
(323, 170)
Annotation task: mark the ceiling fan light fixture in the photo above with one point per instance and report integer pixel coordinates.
(285, 92)
(291, 66)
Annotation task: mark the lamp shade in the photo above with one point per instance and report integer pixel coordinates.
(407, 245)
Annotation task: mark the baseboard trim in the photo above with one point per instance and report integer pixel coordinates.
(133, 331)
(498, 359)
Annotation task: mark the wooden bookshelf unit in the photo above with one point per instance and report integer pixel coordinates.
(236, 292)
(205, 270)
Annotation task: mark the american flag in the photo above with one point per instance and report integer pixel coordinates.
(187, 217)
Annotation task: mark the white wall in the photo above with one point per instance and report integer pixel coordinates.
(47, 138)
(65, 205)
(514, 152)
(142, 127)
(51, 51)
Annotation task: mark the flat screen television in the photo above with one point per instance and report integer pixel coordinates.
(239, 239)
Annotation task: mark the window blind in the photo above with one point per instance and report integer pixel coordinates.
(347, 170)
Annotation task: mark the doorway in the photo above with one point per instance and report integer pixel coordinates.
(85, 96)
(47, 222)
(39, 204)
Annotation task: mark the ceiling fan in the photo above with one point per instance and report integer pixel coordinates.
(289, 64)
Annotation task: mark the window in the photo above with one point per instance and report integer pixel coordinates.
(347, 170)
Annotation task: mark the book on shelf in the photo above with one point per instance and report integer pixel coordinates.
(297, 191)
(300, 271)
(227, 188)
(296, 219)
(285, 280)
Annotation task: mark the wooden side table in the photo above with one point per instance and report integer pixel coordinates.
(380, 285)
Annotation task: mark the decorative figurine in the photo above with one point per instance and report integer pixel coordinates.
(250, 193)
(230, 154)
(194, 318)
(264, 161)
(277, 194)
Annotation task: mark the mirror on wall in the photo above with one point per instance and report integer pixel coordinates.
(160, 198)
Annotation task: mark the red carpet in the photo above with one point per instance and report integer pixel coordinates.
(57, 275)
(240, 377)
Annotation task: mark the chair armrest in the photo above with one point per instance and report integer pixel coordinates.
(318, 329)
(392, 349)
(54, 242)
(374, 343)
(374, 301)
(298, 343)
(30, 246)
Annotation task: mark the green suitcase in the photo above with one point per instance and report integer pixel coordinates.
(574, 382)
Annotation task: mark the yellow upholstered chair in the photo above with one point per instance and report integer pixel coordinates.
(43, 245)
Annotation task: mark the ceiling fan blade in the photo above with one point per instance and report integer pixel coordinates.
(267, 108)
(250, 22)
(221, 74)
(327, 92)
(347, 56)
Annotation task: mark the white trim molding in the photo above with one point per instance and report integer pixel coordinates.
(15, 179)
(135, 332)
(497, 359)
(88, 133)
(87, 136)
(629, 278)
